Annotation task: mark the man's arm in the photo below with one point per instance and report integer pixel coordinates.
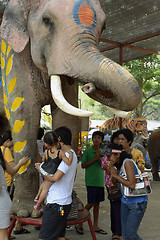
(56, 176)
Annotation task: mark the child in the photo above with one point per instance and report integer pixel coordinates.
(111, 155)
(94, 179)
(51, 159)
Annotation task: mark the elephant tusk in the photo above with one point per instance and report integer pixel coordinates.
(60, 101)
(122, 114)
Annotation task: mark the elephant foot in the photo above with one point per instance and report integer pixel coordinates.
(36, 214)
(23, 213)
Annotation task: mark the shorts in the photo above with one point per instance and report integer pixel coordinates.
(95, 194)
(54, 222)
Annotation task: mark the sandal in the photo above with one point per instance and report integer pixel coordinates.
(36, 209)
(79, 230)
(22, 231)
(101, 231)
(35, 200)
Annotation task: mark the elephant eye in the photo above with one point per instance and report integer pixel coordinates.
(47, 20)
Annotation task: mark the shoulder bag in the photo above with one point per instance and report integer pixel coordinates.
(143, 185)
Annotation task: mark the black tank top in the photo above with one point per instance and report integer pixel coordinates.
(51, 164)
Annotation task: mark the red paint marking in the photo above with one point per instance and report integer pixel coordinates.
(86, 14)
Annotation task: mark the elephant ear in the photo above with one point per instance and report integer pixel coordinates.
(14, 26)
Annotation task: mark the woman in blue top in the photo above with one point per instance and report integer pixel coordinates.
(132, 208)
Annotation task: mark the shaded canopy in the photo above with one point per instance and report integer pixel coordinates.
(133, 25)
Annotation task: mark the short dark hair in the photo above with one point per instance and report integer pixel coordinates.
(40, 133)
(99, 133)
(128, 134)
(65, 134)
(50, 138)
(114, 135)
(7, 135)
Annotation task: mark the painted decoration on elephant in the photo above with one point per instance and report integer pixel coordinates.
(135, 125)
(84, 14)
(8, 89)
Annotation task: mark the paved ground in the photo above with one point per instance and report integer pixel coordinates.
(149, 229)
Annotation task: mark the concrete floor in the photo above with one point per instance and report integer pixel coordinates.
(149, 228)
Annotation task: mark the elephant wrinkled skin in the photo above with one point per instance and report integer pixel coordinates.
(48, 39)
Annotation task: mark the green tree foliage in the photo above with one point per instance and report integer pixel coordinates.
(147, 72)
(99, 110)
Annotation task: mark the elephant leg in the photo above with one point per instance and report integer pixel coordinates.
(25, 144)
(155, 168)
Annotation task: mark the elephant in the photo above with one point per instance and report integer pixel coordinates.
(47, 48)
(154, 153)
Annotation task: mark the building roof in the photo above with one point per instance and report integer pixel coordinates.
(131, 25)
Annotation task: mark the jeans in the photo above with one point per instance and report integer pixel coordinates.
(131, 216)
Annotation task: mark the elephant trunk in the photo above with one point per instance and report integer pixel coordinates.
(109, 83)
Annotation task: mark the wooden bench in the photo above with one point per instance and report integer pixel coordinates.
(83, 216)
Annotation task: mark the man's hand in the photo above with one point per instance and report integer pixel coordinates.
(98, 154)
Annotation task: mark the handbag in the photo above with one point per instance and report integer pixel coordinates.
(114, 193)
(143, 185)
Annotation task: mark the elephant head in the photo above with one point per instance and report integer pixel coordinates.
(64, 37)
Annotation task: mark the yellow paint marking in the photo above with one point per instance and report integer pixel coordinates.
(16, 103)
(18, 125)
(9, 65)
(19, 146)
(12, 85)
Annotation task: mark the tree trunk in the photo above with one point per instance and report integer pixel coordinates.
(139, 109)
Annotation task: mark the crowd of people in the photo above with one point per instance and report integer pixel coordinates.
(121, 163)
(57, 164)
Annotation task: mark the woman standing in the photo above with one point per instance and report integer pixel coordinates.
(5, 201)
(132, 208)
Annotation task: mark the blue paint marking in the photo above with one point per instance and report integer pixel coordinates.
(76, 14)
(86, 45)
(0, 79)
(134, 89)
(97, 55)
